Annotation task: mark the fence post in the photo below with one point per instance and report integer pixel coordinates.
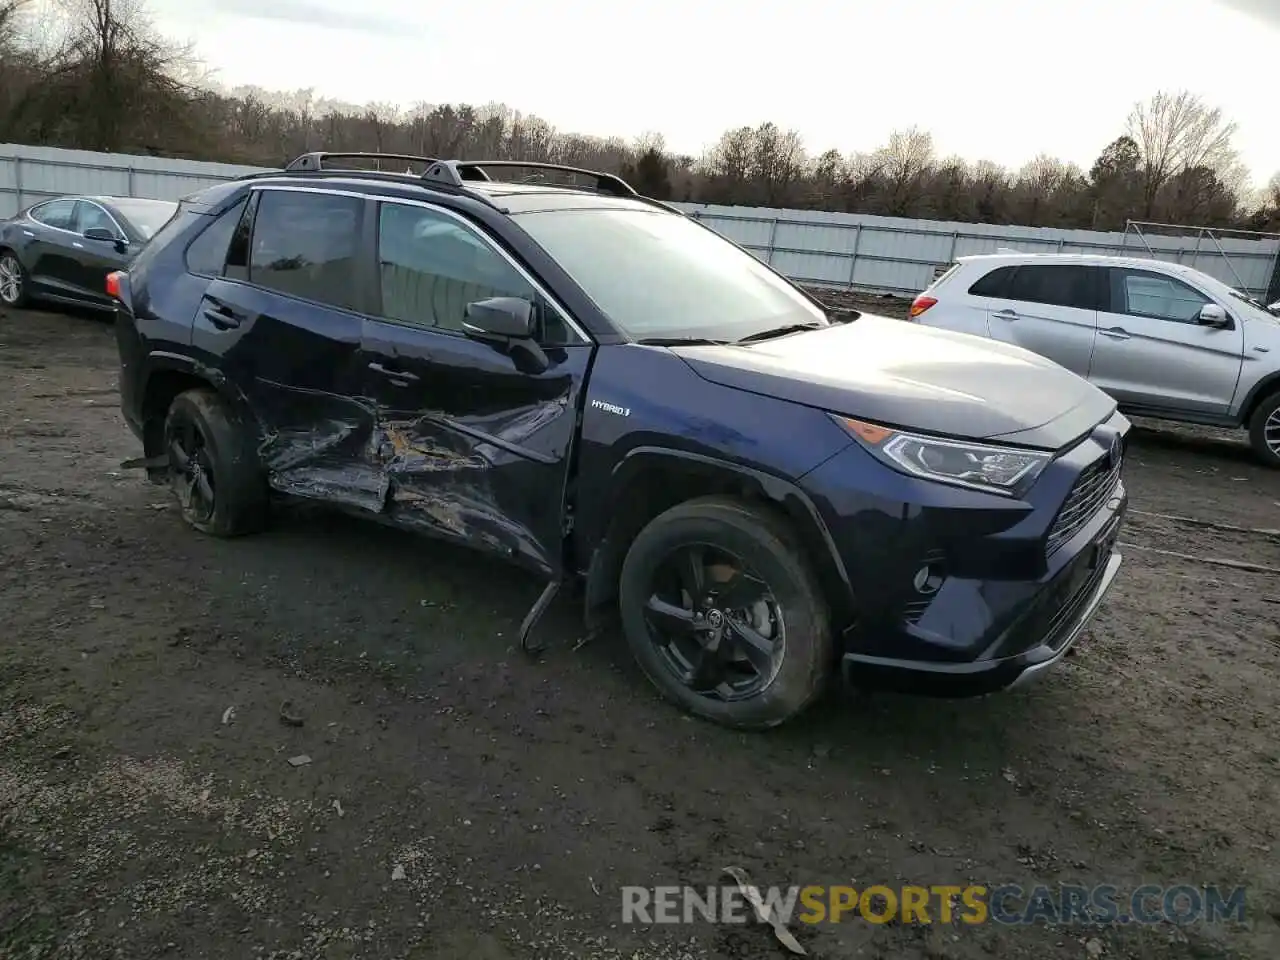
(17, 181)
(773, 237)
(853, 254)
(130, 188)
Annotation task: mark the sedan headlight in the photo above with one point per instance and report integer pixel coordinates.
(963, 463)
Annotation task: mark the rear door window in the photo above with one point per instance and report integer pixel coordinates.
(994, 283)
(1059, 285)
(56, 213)
(307, 245)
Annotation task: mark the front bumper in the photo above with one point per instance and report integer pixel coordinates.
(1011, 585)
(980, 677)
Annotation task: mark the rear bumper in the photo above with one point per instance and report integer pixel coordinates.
(132, 360)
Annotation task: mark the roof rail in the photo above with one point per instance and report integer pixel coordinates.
(457, 173)
(317, 159)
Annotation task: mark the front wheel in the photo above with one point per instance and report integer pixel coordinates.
(1264, 431)
(13, 280)
(724, 614)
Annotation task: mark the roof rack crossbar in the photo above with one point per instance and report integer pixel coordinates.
(317, 160)
(474, 170)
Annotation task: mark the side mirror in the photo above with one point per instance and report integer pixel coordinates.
(100, 233)
(499, 318)
(508, 323)
(1212, 315)
(1274, 308)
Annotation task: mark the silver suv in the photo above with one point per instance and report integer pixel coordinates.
(1164, 340)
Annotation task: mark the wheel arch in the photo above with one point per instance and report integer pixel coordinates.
(1266, 387)
(649, 480)
(171, 374)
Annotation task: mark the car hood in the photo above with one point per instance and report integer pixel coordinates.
(898, 374)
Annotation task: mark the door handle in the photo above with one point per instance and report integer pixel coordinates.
(220, 315)
(393, 374)
(27, 233)
(1007, 314)
(1115, 333)
(78, 246)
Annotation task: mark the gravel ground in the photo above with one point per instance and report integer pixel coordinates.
(463, 802)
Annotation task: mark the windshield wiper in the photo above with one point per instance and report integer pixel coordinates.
(779, 332)
(682, 342)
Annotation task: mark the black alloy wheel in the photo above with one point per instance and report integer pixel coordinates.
(716, 624)
(191, 470)
(725, 614)
(213, 465)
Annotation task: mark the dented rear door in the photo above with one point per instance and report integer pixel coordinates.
(283, 322)
(474, 447)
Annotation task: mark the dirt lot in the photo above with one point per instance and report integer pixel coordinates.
(463, 802)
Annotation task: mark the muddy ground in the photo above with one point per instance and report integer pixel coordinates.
(463, 802)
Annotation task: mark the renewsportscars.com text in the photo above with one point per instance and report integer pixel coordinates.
(1008, 904)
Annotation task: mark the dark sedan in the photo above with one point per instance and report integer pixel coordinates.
(62, 250)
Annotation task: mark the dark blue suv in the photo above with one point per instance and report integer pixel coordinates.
(596, 387)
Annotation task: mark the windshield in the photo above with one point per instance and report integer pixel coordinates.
(660, 275)
(147, 216)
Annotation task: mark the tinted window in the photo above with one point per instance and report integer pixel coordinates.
(431, 266)
(994, 283)
(208, 252)
(1144, 294)
(305, 245)
(56, 213)
(659, 274)
(90, 216)
(1058, 285)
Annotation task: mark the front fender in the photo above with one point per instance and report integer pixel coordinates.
(648, 470)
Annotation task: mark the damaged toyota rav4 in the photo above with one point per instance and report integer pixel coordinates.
(594, 386)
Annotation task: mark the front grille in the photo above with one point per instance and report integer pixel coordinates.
(1093, 488)
(1059, 627)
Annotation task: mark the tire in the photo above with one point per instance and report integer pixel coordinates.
(11, 266)
(767, 546)
(1268, 409)
(211, 436)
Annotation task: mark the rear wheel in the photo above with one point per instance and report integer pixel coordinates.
(13, 280)
(213, 466)
(1264, 430)
(724, 614)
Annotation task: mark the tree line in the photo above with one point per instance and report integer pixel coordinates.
(96, 75)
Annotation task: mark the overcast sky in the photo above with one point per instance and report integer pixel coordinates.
(992, 79)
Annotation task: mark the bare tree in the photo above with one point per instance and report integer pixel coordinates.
(1174, 133)
(777, 161)
(904, 161)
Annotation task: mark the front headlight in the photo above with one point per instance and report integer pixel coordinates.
(963, 463)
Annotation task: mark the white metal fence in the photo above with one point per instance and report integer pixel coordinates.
(882, 254)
